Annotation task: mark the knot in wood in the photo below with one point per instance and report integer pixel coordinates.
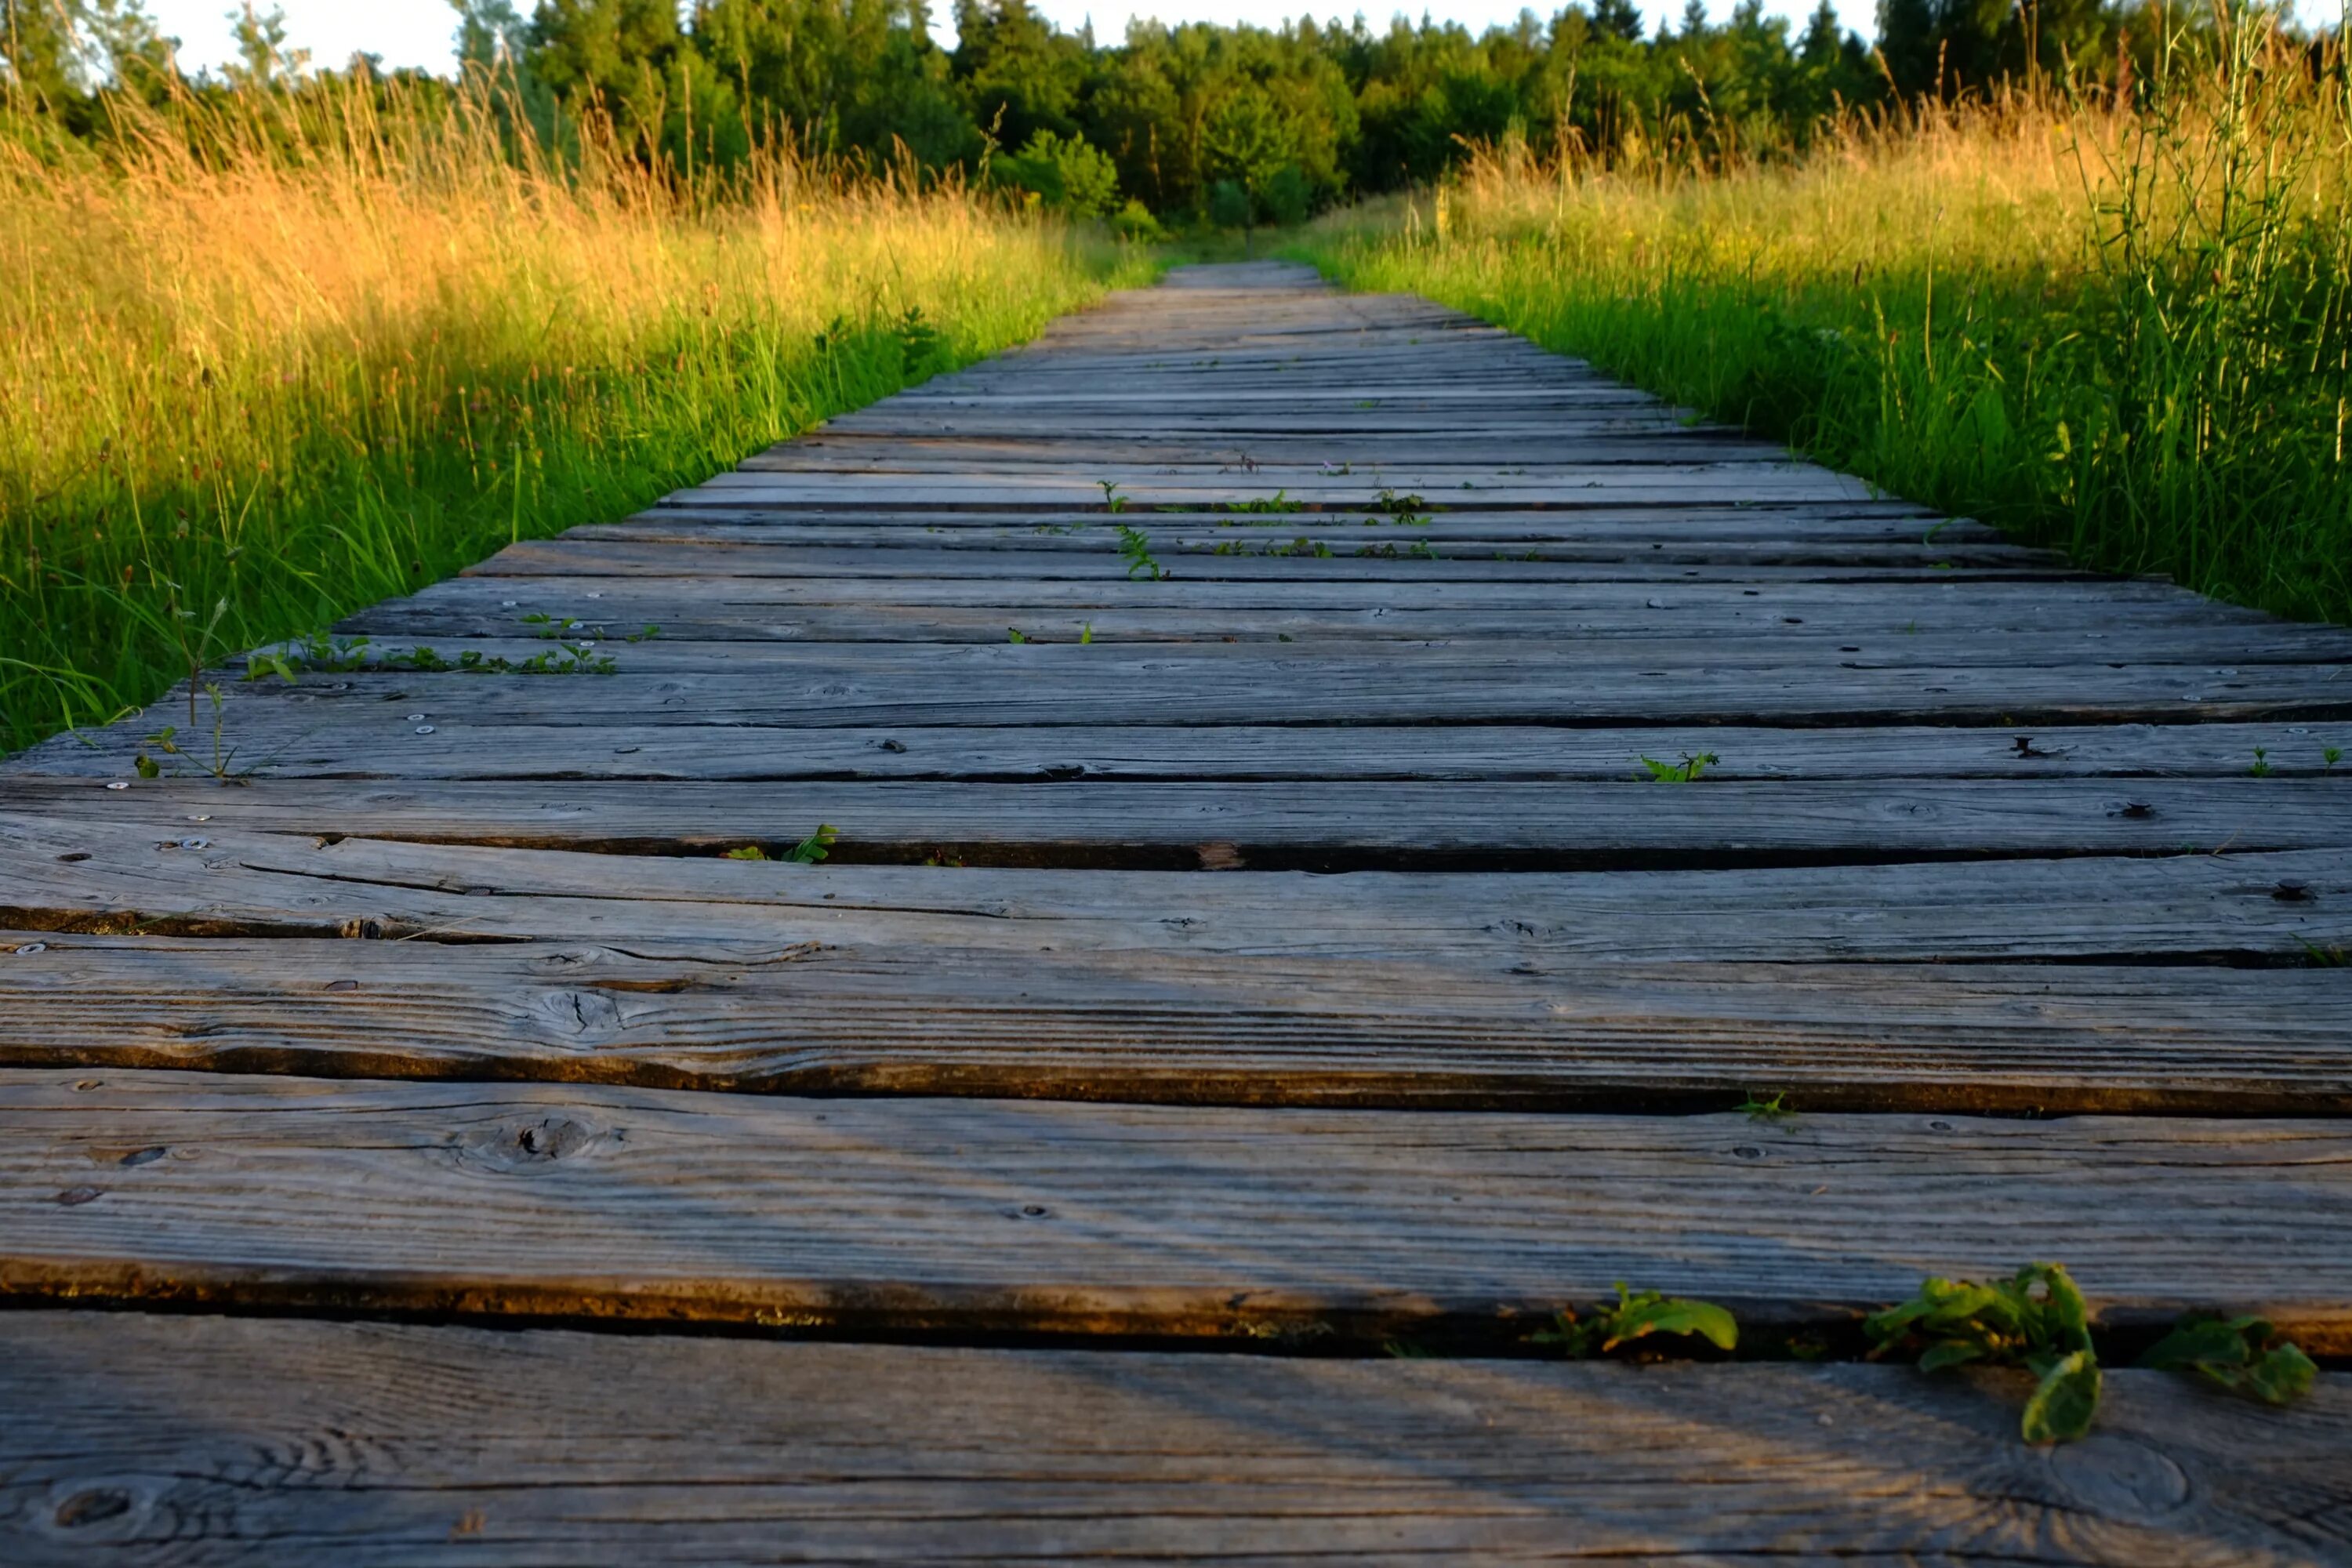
(2118, 1478)
(532, 1143)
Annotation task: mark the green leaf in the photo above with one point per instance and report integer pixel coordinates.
(2282, 1375)
(749, 852)
(2200, 1341)
(2066, 1400)
(815, 846)
(1949, 1352)
(2060, 1317)
(1637, 1317)
(2243, 1354)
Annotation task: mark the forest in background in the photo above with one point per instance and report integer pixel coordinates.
(1188, 123)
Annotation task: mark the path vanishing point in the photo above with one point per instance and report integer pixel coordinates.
(1253, 941)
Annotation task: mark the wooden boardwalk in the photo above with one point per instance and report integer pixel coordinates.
(1253, 938)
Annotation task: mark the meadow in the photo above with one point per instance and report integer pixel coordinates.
(268, 360)
(2115, 320)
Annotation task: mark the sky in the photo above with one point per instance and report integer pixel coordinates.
(419, 32)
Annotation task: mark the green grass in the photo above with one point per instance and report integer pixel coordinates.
(241, 398)
(2126, 335)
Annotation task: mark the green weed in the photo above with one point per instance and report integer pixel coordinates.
(1134, 548)
(1638, 1317)
(1280, 502)
(2245, 1355)
(1692, 768)
(807, 852)
(2037, 1319)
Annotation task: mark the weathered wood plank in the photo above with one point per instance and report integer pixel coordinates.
(2005, 600)
(1618, 659)
(579, 1448)
(888, 1003)
(1277, 827)
(274, 744)
(1004, 1215)
(582, 555)
(1365, 684)
(196, 876)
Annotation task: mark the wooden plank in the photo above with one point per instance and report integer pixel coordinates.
(577, 1447)
(846, 1002)
(274, 744)
(1626, 660)
(1364, 684)
(1032, 1217)
(1999, 602)
(1276, 827)
(702, 612)
(200, 877)
(582, 555)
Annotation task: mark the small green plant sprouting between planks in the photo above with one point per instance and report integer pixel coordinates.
(2261, 768)
(1688, 771)
(2331, 756)
(1280, 502)
(320, 654)
(2037, 1319)
(816, 846)
(1407, 510)
(1134, 548)
(1112, 500)
(1775, 1110)
(1014, 635)
(2245, 1355)
(166, 741)
(1635, 1317)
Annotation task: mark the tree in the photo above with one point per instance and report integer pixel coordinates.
(1064, 172)
(1248, 141)
(265, 60)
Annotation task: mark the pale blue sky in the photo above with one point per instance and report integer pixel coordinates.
(417, 32)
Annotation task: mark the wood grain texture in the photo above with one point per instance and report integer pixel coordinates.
(1272, 827)
(978, 1215)
(276, 743)
(376, 1444)
(201, 877)
(848, 1003)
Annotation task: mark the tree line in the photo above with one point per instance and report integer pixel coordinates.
(1194, 121)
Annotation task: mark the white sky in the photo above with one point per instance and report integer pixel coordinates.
(419, 32)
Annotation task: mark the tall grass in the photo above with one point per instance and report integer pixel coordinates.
(2118, 323)
(317, 349)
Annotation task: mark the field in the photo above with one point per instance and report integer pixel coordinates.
(2124, 332)
(315, 350)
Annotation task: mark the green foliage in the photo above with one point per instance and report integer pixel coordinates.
(1065, 173)
(2037, 1319)
(1775, 1110)
(1134, 548)
(1280, 501)
(1636, 1317)
(1133, 221)
(2123, 334)
(816, 846)
(1229, 205)
(2246, 1355)
(1688, 771)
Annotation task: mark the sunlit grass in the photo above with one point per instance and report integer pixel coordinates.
(330, 361)
(2124, 333)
